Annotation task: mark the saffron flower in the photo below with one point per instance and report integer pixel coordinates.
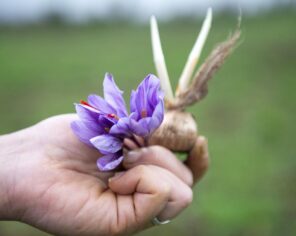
(104, 122)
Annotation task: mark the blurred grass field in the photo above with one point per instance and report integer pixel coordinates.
(249, 115)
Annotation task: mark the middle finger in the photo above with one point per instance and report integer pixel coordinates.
(158, 156)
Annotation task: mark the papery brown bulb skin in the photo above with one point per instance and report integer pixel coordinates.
(178, 132)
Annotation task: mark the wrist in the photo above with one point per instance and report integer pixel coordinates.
(12, 148)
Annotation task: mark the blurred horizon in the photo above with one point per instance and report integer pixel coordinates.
(18, 12)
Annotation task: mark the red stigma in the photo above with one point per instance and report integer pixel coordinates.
(113, 116)
(84, 103)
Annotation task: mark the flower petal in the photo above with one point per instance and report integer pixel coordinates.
(146, 126)
(113, 95)
(83, 132)
(109, 162)
(133, 98)
(121, 128)
(106, 143)
(106, 122)
(100, 104)
(157, 117)
(159, 111)
(90, 118)
(146, 97)
(141, 127)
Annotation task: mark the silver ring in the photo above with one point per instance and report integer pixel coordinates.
(156, 221)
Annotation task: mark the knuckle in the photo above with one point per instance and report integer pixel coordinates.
(189, 178)
(142, 170)
(152, 152)
(164, 189)
(156, 151)
(187, 197)
(161, 188)
(158, 148)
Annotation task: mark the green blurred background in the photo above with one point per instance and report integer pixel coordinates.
(249, 115)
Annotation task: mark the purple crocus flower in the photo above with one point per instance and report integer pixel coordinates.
(104, 122)
(147, 110)
(147, 107)
(96, 118)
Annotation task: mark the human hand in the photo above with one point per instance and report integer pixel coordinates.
(49, 179)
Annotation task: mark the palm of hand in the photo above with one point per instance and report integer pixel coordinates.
(70, 195)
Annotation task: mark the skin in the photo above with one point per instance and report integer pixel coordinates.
(49, 179)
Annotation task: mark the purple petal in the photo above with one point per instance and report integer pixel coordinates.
(146, 126)
(157, 117)
(154, 96)
(109, 162)
(82, 132)
(146, 97)
(159, 111)
(121, 128)
(113, 95)
(140, 127)
(106, 122)
(90, 117)
(106, 143)
(141, 99)
(100, 104)
(133, 98)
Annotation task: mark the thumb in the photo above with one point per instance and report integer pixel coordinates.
(148, 193)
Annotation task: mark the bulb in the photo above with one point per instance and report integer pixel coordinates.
(178, 131)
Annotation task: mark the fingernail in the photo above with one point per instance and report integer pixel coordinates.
(133, 156)
(117, 175)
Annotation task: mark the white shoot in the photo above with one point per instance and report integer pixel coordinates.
(195, 54)
(159, 61)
